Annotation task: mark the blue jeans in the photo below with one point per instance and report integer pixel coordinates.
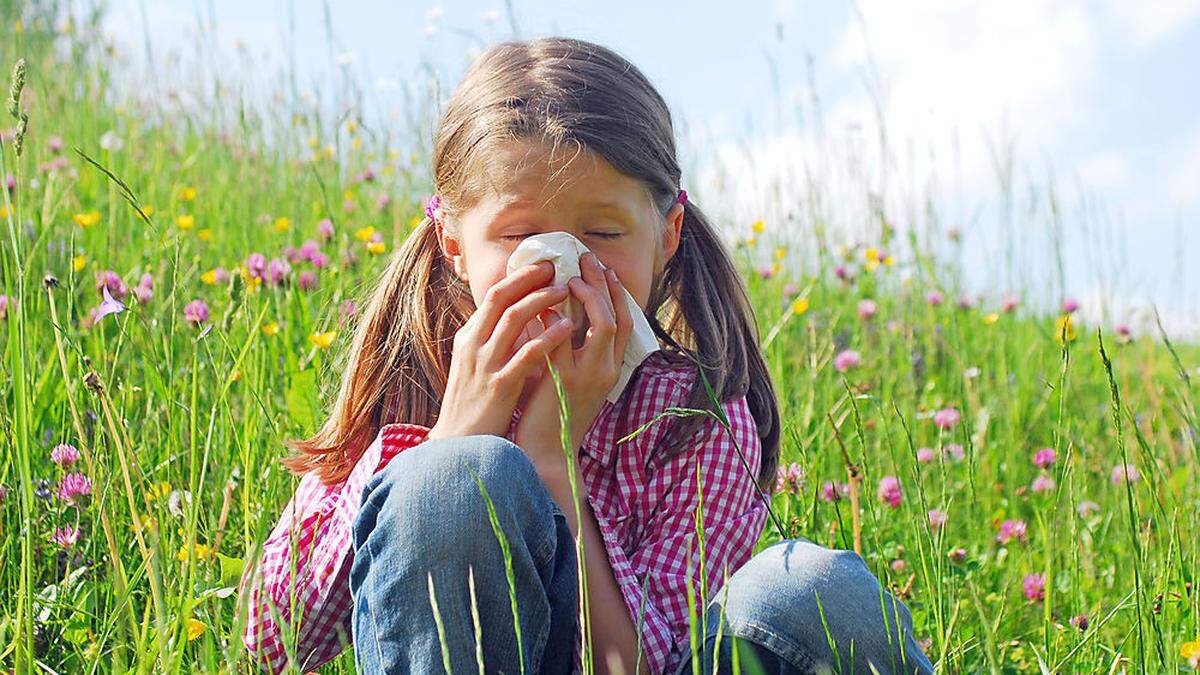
(424, 518)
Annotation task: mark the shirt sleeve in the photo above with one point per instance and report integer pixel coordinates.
(298, 595)
(733, 516)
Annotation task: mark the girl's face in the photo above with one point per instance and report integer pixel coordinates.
(580, 193)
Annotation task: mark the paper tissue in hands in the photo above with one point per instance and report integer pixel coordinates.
(563, 250)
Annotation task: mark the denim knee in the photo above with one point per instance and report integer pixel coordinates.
(427, 495)
(821, 610)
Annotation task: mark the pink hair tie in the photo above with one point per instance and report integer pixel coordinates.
(682, 198)
(432, 205)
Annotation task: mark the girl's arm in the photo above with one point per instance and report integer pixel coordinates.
(298, 595)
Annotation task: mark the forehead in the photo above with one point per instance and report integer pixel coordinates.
(538, 175)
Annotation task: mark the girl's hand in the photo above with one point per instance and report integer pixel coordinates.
(587, 373)
(488, 367)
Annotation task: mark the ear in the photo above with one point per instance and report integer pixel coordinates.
(451, 248)
(671, 236)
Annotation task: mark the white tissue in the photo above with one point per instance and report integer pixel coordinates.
(563, 249)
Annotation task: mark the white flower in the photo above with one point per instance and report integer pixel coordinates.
(111, 141)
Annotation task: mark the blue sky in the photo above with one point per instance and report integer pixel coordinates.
(1105, 94)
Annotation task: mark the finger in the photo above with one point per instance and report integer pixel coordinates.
(593, 273)
(624, 318)
(532, 354)
(508, 290)
(514, 319)
(603, 325)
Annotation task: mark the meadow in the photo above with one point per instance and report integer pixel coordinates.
(177, 289)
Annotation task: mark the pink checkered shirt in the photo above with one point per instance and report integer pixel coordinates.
(646, 519)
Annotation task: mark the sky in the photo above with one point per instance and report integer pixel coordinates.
(1098, 98)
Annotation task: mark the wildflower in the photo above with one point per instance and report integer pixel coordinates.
(175, 503)
(764, 272)
(64, 455)
(790, 288)
(322, 340)
(780, 252)
(282, 224)
(65, 536)
(111, 141)
(42, 489)
(958, 555)
(1124, 473)
(925, 455)
(1035, 586)
(954, 451)
(277, 270)
(256, 265)
(871, 254)
(1087, 508)
(965, 301)
(889, 491)
(937, 519)
(934, 298)
(971, 373)
(758, 226)
(160, 489)
(195, 628)
(990, 318)
(1044, 458)
(54, 144)
(74, 486)
(187, 194)
(376, 247)
(144, 289)
(947, 418)
(1080, 621)
(110, 280)
(185, 222)
(1191, 652)
(4, 304)
(1042, 483)
(307, 249)
(840, 272)
(1009, 303)
(898, 565)
(846, 360)
(78, 263)
(1064, 329)
(325, 229)
(87, 220)
(799, 305)
(1124, 333)
(364, 234)
(1069, 305)
(199, 552)
(833, 492)
(1011, 529)
(271, 328)
(789, 478)
(308, 280)
(205, 235)
(196, 312)
(217, 275)
(346, 311)
(867, 309)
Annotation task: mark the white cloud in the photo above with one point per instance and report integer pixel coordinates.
(1147, 22)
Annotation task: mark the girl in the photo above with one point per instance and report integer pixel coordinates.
(446, 398)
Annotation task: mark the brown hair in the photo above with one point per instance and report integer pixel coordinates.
(553, 90)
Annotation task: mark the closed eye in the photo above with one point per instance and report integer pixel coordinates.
(602, 235)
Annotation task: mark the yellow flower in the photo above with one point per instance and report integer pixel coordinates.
(872, 254)
(780, 253)
(351, 125)
(364, 234)
(252, 282)
(376, 247)
(758, 226)
(271, 328)
(209, 277)
(414, 221)
(870, 265)
(185, 222)
(750, 240)
(78, 263)
(313, 142)
(992, 318)
(888, 261)
(776, 268)
(148, 209)
(3, 211)
(1191, 652)
(322, 340)
(205, 234)
(160, 489)
(355, 143)
(282, 223)
(799, 305)
(195, 628)
(1064, 329)
(86, 220)
(348, 195)
(187, 194)
(200, 551)
(235, 376)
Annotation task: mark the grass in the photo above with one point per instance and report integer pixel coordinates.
(181, 427)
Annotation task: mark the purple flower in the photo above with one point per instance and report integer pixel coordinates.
(1009, 302)
(65, 536)
(947, 418)
(789, 478)
(925, 455)
(42, 490)
(325, 229)
(1042, 483)
(220, 275)
(958, 555)
(346, 311)
(954, 451)
(867, 309)
(937, 519)
(934, 298)
(1080, 621)
(320, 260)
(54, 143)
(846, 360)
(292, 254)
(64, 455)
(889, 491)
(1122, 473)
(256, 265)
(10, 183)
(840, 272)
(1069, 305)
(790, 288)
(308, 248)
(144, 289)
(277, 270)
(308, 280)
(110, 280)
(106, 307)
(383, 201)
(765, 272)
(196, 312)
(1011, 529)
(4, 305)
(1035, 586)
(833, 492)
(1087, 508)
(73, 486)
(1044, 458)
